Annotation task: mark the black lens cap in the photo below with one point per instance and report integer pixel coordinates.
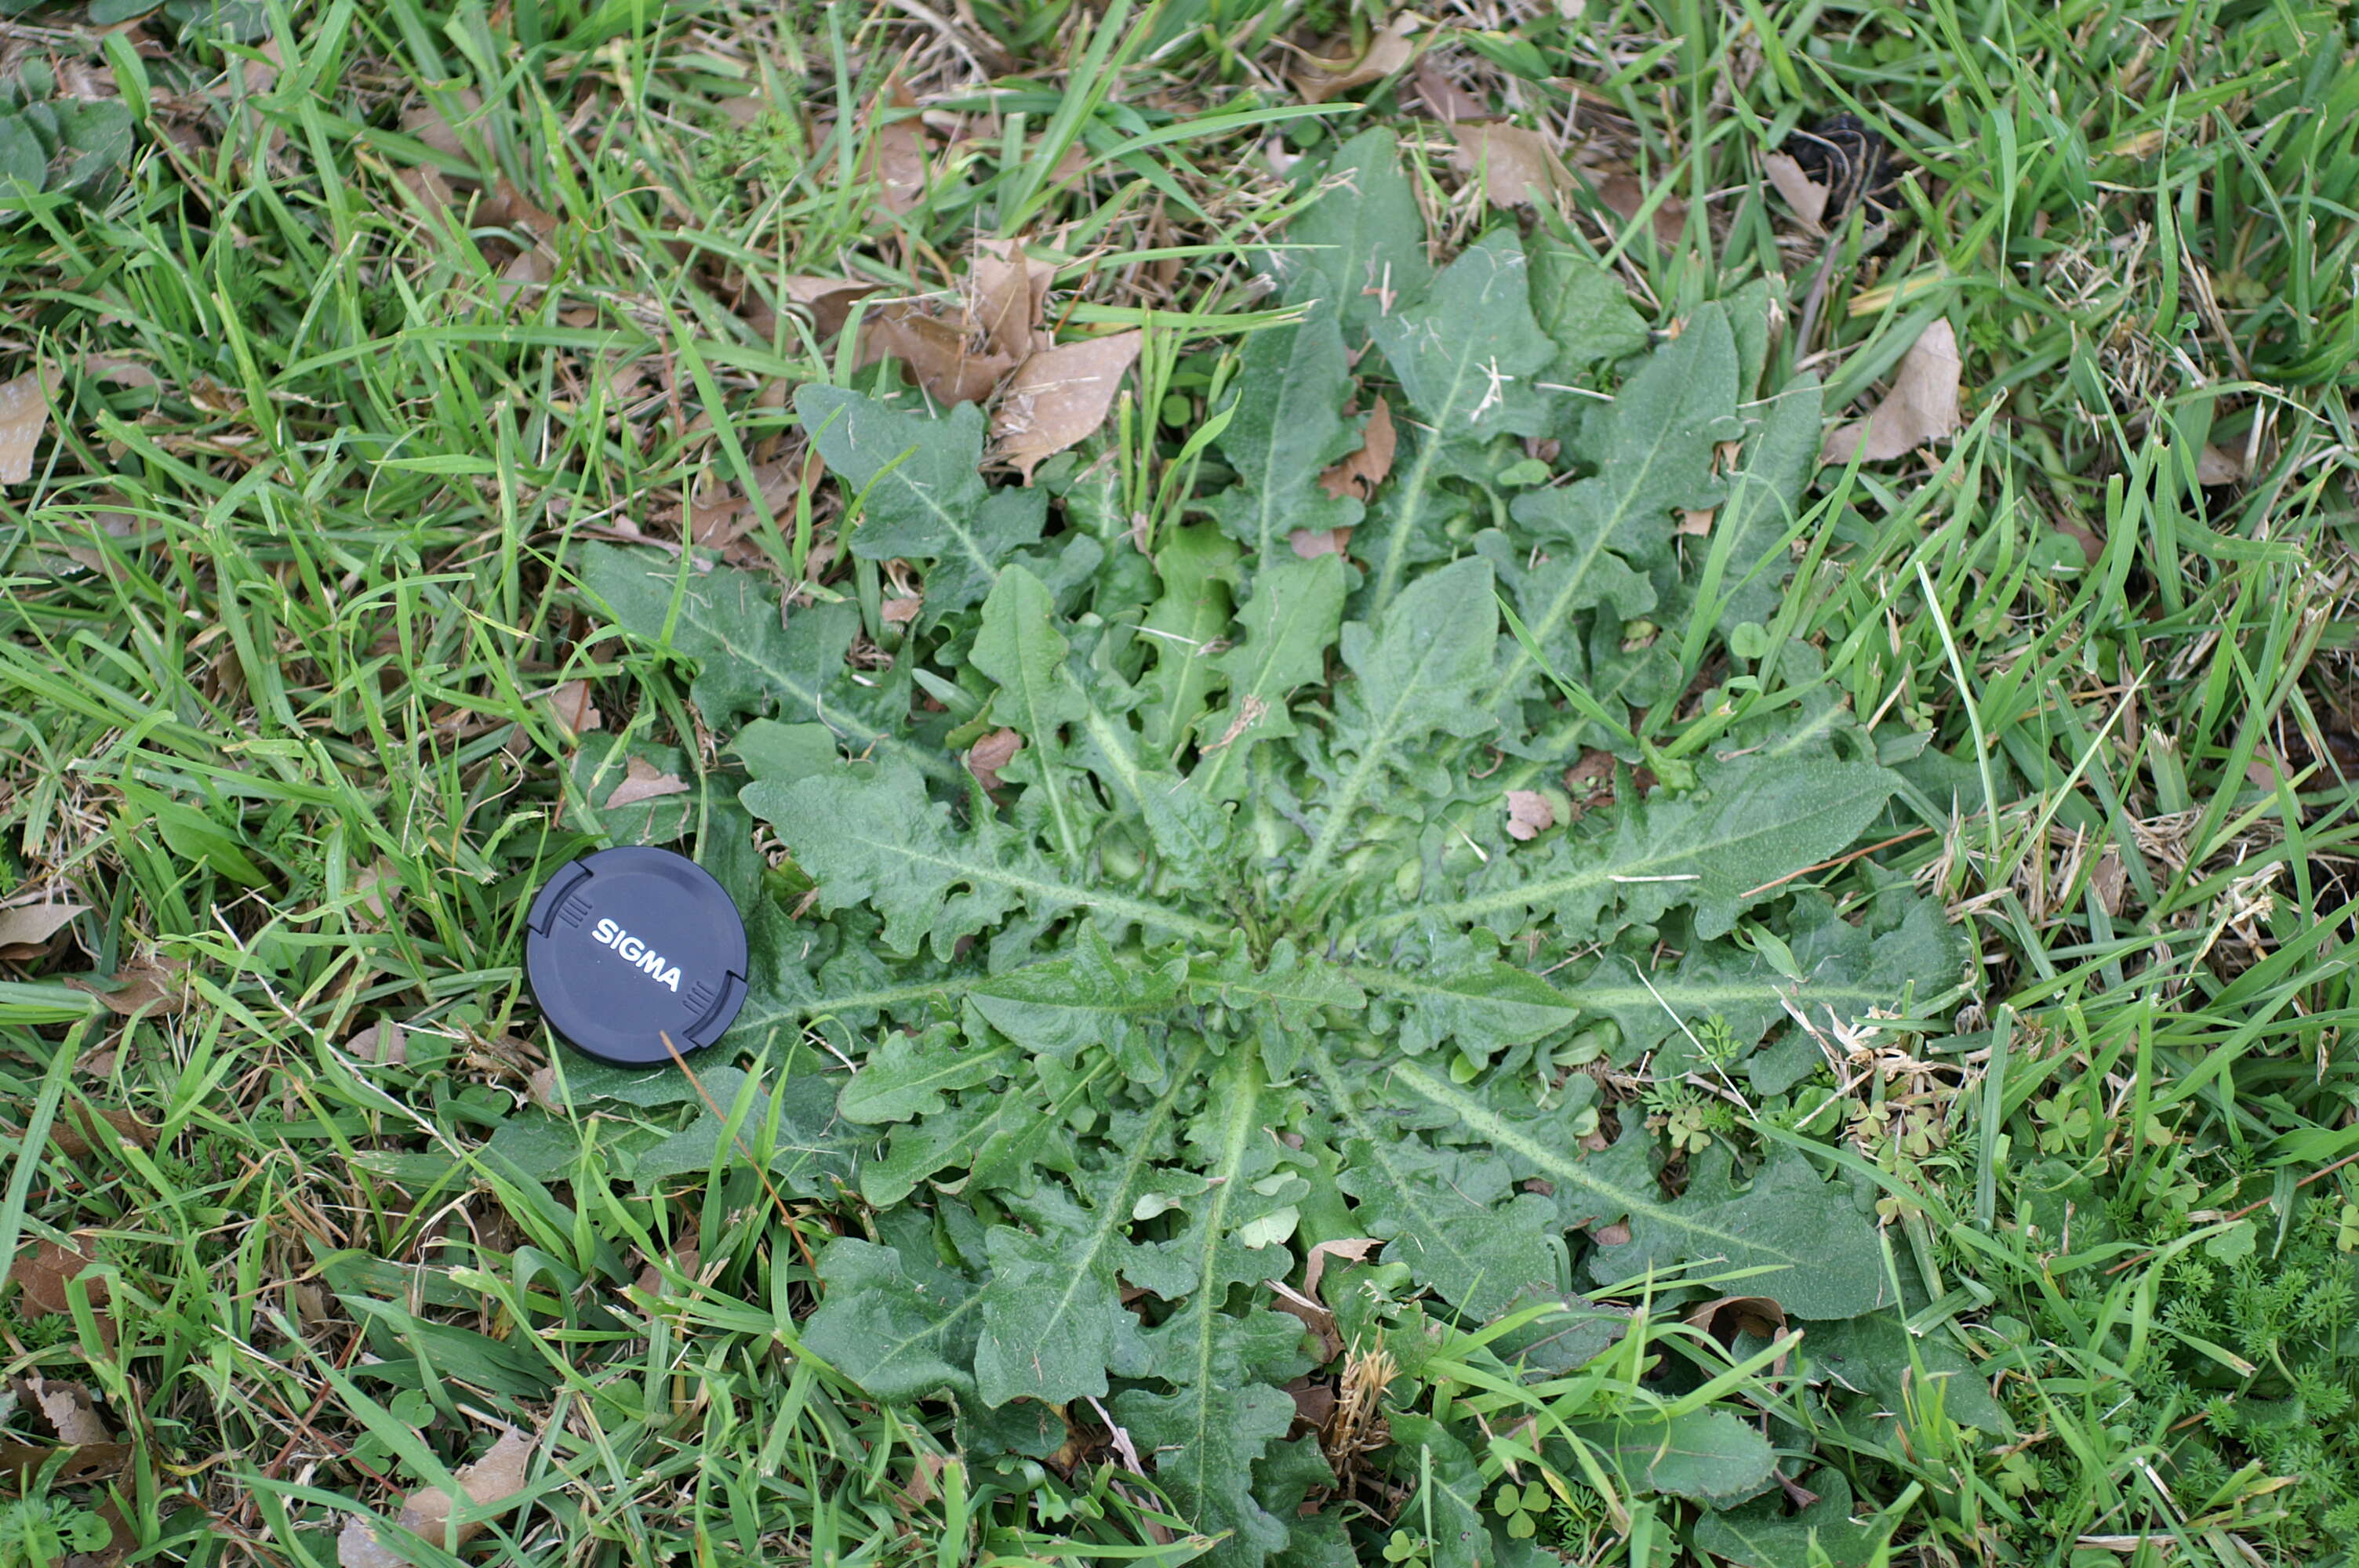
(627, 945)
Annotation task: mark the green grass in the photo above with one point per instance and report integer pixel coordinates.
(280, 622)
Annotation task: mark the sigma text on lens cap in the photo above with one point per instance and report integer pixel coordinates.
(627, 945)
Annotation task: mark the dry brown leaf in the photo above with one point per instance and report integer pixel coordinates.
(902, 609)
(1695, 524)
(1625, 196)
(1594, 771)
(1518, 167)
(91, 1462)
(940, 357)
(1312, 1315)
(683, 1259)
(89, 560)
(1529, 814)
(1320, 79)
(896, 150)
(642, 780)
(31, 926)
(1448, 101)
(1360, 472)
(425, 182)
(925, 1470)
(1314, 1403)
(2092, 544)
(376, 885)
(2217, 465)
(120, 1539)
(1806, 196)
(1921, 406)
(2110, 881)
(154, 987)
(384, 1043)
(1614, 1235)
(509, 207)
(1725, 1317)
(529, 271)
(24, 416)
(1007, 299)
(570, 706)
(721, 521)
(43, 1274)
(992, 753)
(70, 1411)
(116, 368)
(1060, 396)
(1354, 1249)
(314, 1309)
(76, 1130)
(260, 76)
(1312, 543)
(427, 125)
(1071, 164)
(76, 80)
(828, 299)
(496, 1477)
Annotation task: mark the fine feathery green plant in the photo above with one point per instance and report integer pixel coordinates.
(1222, 948)
(37, 1530)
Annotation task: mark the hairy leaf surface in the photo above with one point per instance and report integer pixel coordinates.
(900, 1327)
(1286, 426)
(923, 499)
(1818, 1256)
(1468, 356)
(750, 661)
(1362, 243)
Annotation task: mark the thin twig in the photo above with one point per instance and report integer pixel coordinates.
(760, 1171)
(1844, 859)
(2319, 1174)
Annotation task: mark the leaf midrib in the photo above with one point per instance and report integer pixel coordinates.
(1040, 728)
(1388, 579)
(1396, 983)
(1258, 986)
(1625, 496)
(1440, 1229)
(1606, 868)
(1494, 1129)
(1672, 989)
(1265, 492)
(962, 1062)
(1371, 758)
(1206, 1301)
(923, 496)
(866, 734)
(1086, 898)
(1112, 744)
(1113, 1212)
(1264, 650)
(948, 987)
(937, 1330)
(1546, 626)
